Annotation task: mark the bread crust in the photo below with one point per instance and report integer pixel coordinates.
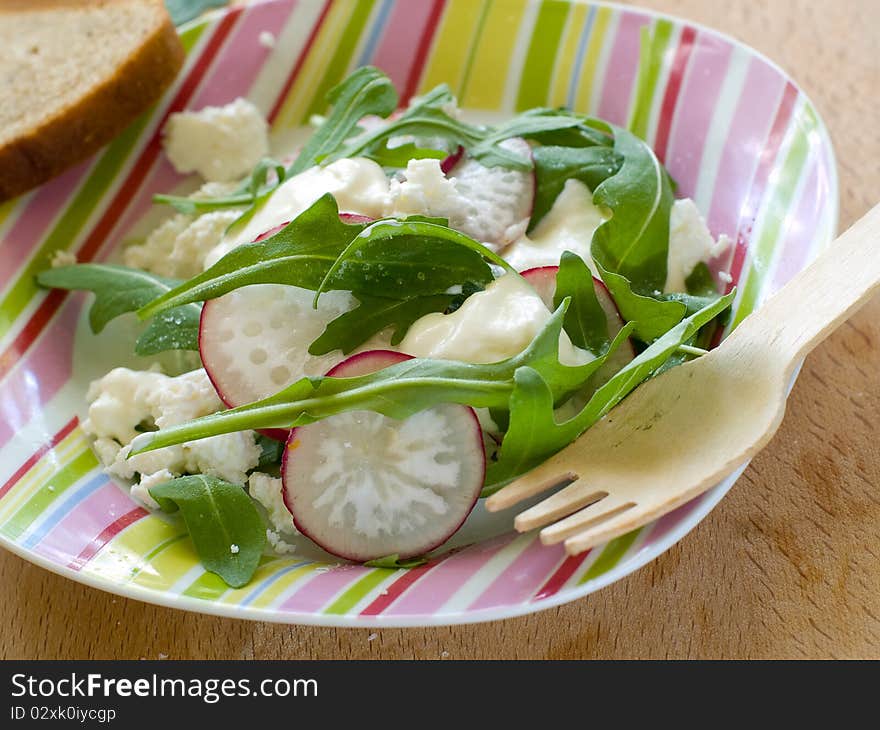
(78, 131)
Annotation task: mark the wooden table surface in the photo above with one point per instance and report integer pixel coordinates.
(788, 565)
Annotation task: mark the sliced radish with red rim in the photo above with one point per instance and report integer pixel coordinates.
(363, 486)
(499, 201)
(254, 340)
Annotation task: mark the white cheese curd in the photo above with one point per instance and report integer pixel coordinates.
(178, 247)
(568, 226)
(124, 400)
(690, 242)
(268, 491)
(491, 325)
(219, 143)
(359, 186)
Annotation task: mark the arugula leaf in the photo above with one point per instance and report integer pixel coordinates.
(424, 120)
(397, 391)
(271, 451)
(300, 254)
(118, 290)
(395, 158)
(226, 529)
(374, 314)
(700, 282)
(366, 91)
(394, 258)
(250, 190)
(533, 433)
(554, 166)
(395, 563)
(634, 242)
(652, 316)
(585, 320)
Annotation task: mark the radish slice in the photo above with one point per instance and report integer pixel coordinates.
(254, 340)
(499, 201)
(543, 281)
(363, 486)
(450, 161)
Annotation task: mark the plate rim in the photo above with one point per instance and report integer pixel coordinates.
(706, 502)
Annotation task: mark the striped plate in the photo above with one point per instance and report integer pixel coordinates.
(736, 133)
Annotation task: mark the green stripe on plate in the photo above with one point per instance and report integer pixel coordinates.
(210, 586)
(610, 556)
(359, 590)
(534, 84)
(775, 212)
(348, 42)
(145, 560)
(42, 497)
(654, 41)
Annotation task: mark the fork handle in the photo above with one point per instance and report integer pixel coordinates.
(819, 298)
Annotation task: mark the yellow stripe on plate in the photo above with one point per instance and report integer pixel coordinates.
(485, 89)
(567, 56)
(312, 71)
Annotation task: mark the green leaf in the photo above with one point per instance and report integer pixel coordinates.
(585, 320)
(534, 435)
(700, 282)
(397, 391)
(634, 242)
(183, 10)
(398, 259)
(225, 526)
(652, 316)
(374, 314)
(395, 563)
(271, 451)
(399, 157)
(300, 254)
(554, 166)
(118, 290)
(250, 190)
(366, 91)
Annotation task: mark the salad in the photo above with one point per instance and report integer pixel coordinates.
(394, 321)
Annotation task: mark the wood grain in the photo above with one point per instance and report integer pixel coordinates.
(788, 565)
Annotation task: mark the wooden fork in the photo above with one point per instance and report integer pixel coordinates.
(679, 434)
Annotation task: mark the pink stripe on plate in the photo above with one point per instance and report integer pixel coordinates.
(34, 221)
(801, 225)
(672, 520)
(314, 595)
(438, 586)
(751, 122)
(399, 44)
(40, 374)
(620, 73)
(233, 70)
(695, 110)
(523, 577)
(81, 525)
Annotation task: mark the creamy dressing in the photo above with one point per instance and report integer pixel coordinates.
(491, 325)
(359, 186)
(568, 226)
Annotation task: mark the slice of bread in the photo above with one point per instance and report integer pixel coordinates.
(73, 75)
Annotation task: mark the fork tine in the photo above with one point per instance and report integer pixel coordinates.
(528, 485)
(620, 524)
(576, 495)
(585, 519)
